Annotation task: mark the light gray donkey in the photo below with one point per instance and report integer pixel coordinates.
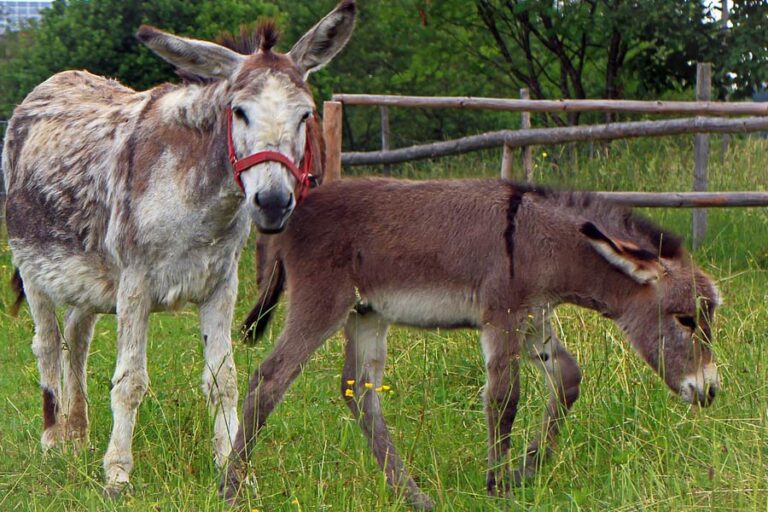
(363, 254)
(124, 202)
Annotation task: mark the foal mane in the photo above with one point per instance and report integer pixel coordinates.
(622, 222)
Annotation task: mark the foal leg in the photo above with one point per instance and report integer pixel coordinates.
(46, 345)
(311, 320)
(563, 377)
(219, 375)
(130, 381)
(502, 393)
(366, 352)
(78, 331)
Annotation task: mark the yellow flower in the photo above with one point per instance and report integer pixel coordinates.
(544, 154)
(350, 382)
(255, 510)
(386, 388)
(368, 385)
(349, 392)
(378, 389)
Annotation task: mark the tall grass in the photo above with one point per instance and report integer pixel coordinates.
(628, 444)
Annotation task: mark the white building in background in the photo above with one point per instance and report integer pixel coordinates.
(15, 14)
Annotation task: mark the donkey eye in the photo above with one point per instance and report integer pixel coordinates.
(240, 114)
(686, 321)
(305, 116)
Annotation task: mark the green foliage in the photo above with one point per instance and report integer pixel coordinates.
(98, 35)
(745, 52)
(576, 48)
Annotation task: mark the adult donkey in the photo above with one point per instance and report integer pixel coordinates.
(484, 254)
(124, 202)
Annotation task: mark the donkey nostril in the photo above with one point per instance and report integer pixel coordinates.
(288, 203)
(711, 392)
(256, 199)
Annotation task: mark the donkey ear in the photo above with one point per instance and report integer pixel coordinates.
(198, 57)
(637, 263)
(323, 41)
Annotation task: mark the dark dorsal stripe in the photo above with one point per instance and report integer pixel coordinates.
(516, 193)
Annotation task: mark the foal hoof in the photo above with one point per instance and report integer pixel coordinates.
(230, 484)
(421, 501)
(499, 484)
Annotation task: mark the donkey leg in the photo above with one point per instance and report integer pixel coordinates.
(502, 393)
(563, 377)
(366, 352)
(219, 375)
(130, 381)
(311, 320)
(78, 331)
(46, 345)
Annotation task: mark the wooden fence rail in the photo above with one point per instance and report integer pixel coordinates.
(687, 199)
(521, 138)
(698, 108)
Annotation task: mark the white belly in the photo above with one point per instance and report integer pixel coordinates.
(438, 307)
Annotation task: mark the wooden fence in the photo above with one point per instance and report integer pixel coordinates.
(525, 137)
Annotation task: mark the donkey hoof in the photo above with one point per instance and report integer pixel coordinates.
(421, 501)
(114, 490)
(52, 437)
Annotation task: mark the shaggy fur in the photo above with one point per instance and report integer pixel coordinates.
(123, 201)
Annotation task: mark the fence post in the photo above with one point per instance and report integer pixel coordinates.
(507, 169)
(3, 126)
(332, 111)
(385, 135)
(527, 152)
(701, 153)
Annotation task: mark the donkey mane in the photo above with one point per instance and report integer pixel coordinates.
(264, 35)
(249, 39)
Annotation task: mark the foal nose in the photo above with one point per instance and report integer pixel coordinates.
(704, 397)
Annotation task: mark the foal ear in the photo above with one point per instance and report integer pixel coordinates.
(326, 39)
(201, 58)
(637, 263)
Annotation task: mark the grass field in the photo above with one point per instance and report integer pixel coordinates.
(628, 445)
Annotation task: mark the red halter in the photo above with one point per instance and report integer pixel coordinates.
(304, 179)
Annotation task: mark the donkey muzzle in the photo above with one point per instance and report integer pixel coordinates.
(271, 210)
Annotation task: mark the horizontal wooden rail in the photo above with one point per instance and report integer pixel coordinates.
(712, 108)
(538, 136)
(687, 199)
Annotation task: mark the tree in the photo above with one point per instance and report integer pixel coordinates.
(98, 35)
(745, 50)
(597, 48)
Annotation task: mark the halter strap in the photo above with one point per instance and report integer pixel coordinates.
(303, 175)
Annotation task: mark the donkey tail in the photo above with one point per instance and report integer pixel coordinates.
(17, 285)
(271, 284)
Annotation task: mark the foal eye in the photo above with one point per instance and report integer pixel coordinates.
(240, 114)
(686, 321)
